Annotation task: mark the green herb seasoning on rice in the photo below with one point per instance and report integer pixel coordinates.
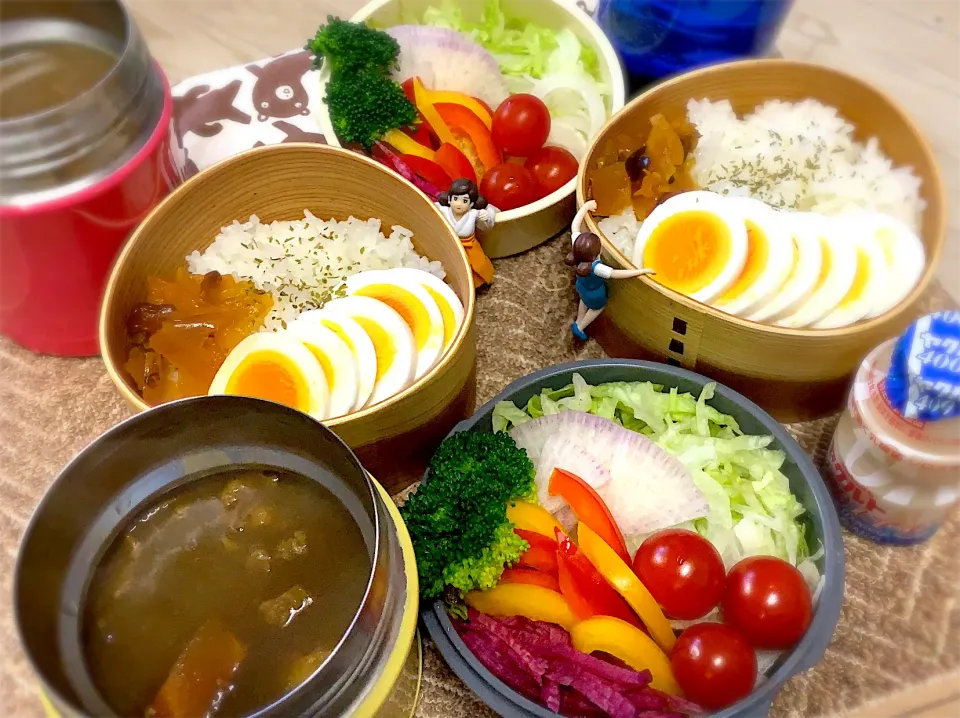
(305, 263)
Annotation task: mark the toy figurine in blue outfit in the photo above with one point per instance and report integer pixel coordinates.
(592, 274)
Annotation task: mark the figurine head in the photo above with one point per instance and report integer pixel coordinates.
(586, 248)
(462, 196)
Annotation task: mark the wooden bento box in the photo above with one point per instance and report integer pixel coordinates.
(795, 374)
(394, 438)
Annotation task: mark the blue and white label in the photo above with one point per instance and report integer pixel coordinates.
(924, 379)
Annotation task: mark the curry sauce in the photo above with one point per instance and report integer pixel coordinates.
(223, 596)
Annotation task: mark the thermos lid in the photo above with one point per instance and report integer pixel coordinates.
(79, 96)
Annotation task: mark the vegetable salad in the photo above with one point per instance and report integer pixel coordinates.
(751, 508)
(577, 540)
(508, 105)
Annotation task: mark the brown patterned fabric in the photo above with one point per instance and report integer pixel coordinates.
(900, 624)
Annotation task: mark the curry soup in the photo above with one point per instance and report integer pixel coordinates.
(223, 596)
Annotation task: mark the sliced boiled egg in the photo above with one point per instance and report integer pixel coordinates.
(869, 286)
(353, 335)
(838, 270)
(277, 367)
(337, 361)
(902, 249)
(451, 308)
(695, 242)
(392, 339)
(410, 299)
(770, 258)
(801, 280)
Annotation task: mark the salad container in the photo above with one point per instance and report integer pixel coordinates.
(520, 229)
(805, 484)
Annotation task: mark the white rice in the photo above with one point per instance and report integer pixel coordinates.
(304, 263)
(799, 156)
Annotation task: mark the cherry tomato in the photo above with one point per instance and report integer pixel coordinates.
(768, 601)
(521, 125)
(714, 665)
(682, 570)
(508, 186)
(552, 167)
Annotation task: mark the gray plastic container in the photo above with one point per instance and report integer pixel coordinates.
(805, 482)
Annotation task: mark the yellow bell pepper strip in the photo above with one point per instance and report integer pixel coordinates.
(530, 517)
(425, 105)
(630, 645)
(518, 599)
(459, 98)
(404, 144)
(619, 575)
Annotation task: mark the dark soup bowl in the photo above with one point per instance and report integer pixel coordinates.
(805, 483)
(219, 556)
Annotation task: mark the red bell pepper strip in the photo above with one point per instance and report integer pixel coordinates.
(408, 90)
(585, 589)
(542, 554)
(421, 134)
(430, 171)
(454, 163)
(589, 508)
(485, 106)
(480, 109)
(469, 150)
(459, 117)
(385, 155)
(531, 577)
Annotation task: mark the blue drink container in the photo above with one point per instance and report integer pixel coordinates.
(659, 38)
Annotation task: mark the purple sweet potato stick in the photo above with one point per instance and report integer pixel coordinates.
(550, 695)
(487, 650)
(536, 667)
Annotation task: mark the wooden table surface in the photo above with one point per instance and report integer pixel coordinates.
(910, 48)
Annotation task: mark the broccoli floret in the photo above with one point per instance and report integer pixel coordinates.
(364, 105)
(458, 518)
(349, 46)
(364, 102)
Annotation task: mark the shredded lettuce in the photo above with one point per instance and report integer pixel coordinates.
(521, 47)
(752, 510)
(553, 65)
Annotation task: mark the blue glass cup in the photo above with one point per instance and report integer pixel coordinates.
(659, 38)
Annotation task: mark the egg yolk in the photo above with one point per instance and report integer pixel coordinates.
(325, 364)
(859, 279)
(338, 330)
(825, 265)
(886, 238)
(382, 344)
(406, 305)
(271, 376)
(688, 250)
(449, 318)
(793, 265)
(758, 253)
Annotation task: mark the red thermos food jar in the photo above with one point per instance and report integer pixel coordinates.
(87, 149)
